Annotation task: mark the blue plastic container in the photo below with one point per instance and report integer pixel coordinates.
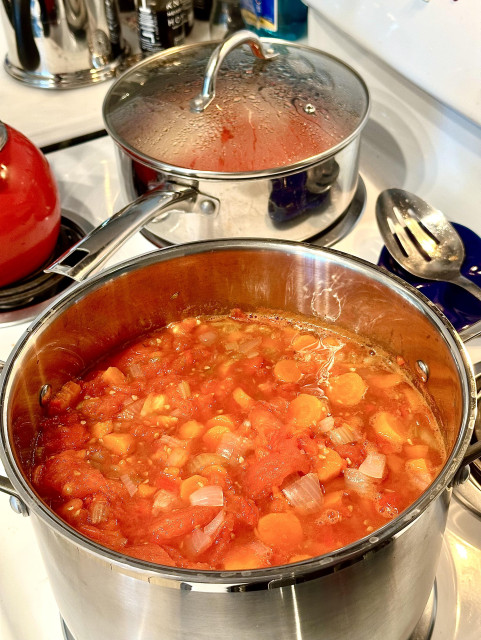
(286, 19)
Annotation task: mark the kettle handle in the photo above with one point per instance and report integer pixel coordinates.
(26, 48)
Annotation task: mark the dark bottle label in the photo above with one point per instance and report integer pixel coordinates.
(161, 25)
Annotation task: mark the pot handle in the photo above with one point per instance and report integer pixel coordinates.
(473, 452)
(7, 487)
(473, 331)
(94, 249)
(203, 100)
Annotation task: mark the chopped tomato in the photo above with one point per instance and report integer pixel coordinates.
(190, 446)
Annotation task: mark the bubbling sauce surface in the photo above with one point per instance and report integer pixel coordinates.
(237, 442)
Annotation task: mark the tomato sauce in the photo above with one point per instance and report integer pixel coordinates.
(236, 442)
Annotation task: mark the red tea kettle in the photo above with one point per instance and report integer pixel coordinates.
(29, 207)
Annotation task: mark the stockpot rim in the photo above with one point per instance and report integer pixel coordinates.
(272, 577)
(187, 173)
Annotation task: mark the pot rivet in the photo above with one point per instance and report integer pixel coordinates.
(310, 108)
(44, 395)
(422, 370)
(18, 506)
(207, 207)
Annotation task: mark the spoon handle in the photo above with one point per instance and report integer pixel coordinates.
(474, 289)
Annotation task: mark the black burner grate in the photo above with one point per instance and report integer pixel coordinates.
(23, 299)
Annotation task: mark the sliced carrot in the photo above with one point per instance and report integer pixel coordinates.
(418, 466)
(242, 398)
(330, 465)
(388, 427)
(347, 389)
(385, 380)
(413, 451)
(213, 436)
(119, 443)
(305, 341)
(190, 430)
(306, 410)
(191, 484)
(222, 419)
(287, 371)
(242, 557)
(280, 530)
(113, 376)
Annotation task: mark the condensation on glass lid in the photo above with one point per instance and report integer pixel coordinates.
(265, 115)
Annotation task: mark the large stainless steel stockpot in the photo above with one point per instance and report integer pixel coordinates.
(375, 588)
(268, 142)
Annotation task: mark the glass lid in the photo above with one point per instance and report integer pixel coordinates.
(215, 108)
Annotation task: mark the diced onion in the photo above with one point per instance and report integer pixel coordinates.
(261, 550)
(184, 389)
(208, 337)
(212, 528)
(99, 512)
(129, 485)
(162, 501)
(343, 435)
(172, 442)
(231, 346)
(305, 494)
(358, 482)
(208, 496)
(203, 460)
(373, 466)
(232, 446)
(326, 424)
(249, 345)
(198, 541)
(135, 370)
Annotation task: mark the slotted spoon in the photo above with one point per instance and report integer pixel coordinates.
(421, 239)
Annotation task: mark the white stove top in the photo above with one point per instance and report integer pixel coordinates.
(411, 141)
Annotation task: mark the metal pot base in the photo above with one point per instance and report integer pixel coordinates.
(423, 630)
(326, 238)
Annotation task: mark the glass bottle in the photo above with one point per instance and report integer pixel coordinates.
(160, 24)
(188, 8)
(225, 18)
(202, 9)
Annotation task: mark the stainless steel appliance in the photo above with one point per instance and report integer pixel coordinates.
(62, 44)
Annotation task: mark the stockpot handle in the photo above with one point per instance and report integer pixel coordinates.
(473, 452)
(471, 332)
(94, 249)
(203, 100)
(7, 487)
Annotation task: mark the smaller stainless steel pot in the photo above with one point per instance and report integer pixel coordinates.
(375, 588)
(296, 194)
(270, 143)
